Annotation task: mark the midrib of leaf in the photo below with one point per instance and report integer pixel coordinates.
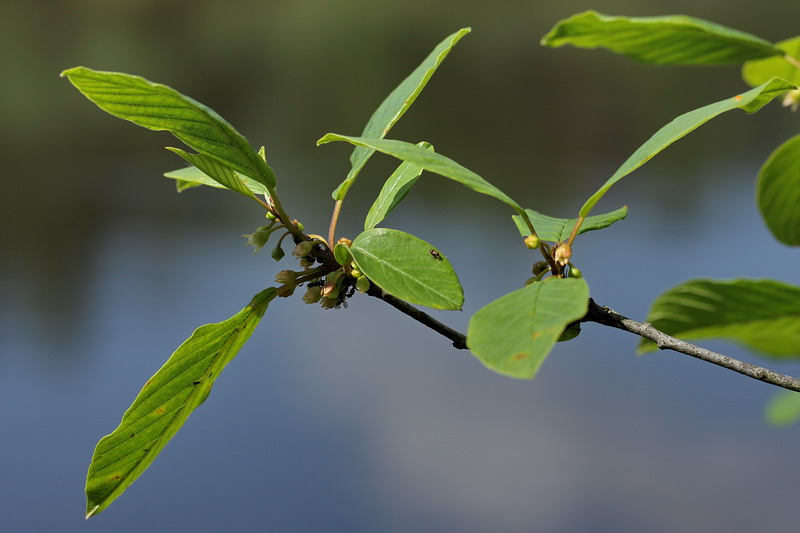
(409, 279)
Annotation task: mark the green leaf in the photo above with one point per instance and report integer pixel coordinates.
(394, 190)
(513, 334)
(427, 160)
(784, 408)
(395, 105)
(165, 402)
(763, 315)
(778, 192)
(215, 170)
(750, 102)
(669, 40)
(190, 177)
(759, 71)
(559, 229)
(158, 107)
(407, 267)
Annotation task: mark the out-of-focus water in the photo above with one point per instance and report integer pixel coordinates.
(361, 420)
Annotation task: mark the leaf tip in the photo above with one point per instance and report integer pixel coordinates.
(91, 512)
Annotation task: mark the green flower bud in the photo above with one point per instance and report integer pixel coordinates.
(303, 248)
(362, 284)
(299, 225)
(539, 267)
(313, 295)
(574, 272)
(532, 242)
(270, 215)
(285, 276)
(286, 291)
(278, 253)
(356, 273)
(328, 303)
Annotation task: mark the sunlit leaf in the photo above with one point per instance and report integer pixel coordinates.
(784, 408)
(666, 40)
(158, 107)
(165, 402)
(514, 334)
(190, 177)
(750, 102)
(407, 267)
(394, 190)
(763, 315)
(395, 105)
(558, 229)
(778, 192)
(759, 71)
(428, 160)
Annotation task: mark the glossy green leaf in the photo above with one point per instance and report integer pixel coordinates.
(778, 192)
(394, 190)
(558, 229)
(407, 267)
(215, 170)
(759, 71)
(763, 315)
(395, 105)
(427, 160)
(161, 108)
(165, 402)
(784, 408)
(190, 177)
(750, 102)
(666, 40)
(514, 334)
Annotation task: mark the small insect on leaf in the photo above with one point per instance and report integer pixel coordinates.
(436, 255)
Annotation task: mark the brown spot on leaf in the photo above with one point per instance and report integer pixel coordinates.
(160, 411)
(737, 97)
(520, 357)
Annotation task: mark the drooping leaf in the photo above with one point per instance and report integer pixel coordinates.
(395, 105)
(394, 190)
(407, 267)
(161, 108)
(784, 408)
(758, 71)
(190, 177)
(666, 40)
(750, 102)
(215, 170)
(558, 229)
(165, 402)
(778, 192)
(763, 315)
(428, 160)
(513, 334)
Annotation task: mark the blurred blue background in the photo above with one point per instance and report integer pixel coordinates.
(361, 420)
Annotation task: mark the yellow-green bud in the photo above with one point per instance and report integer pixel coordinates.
(532, 242)
(574, 272)
(356, 273)
(302, 249)
(270, 215)
(313, 295)
(299, 225)
(362, 284)
(285, 276)
(345, 241)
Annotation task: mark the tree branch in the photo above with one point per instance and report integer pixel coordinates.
(607, 317)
